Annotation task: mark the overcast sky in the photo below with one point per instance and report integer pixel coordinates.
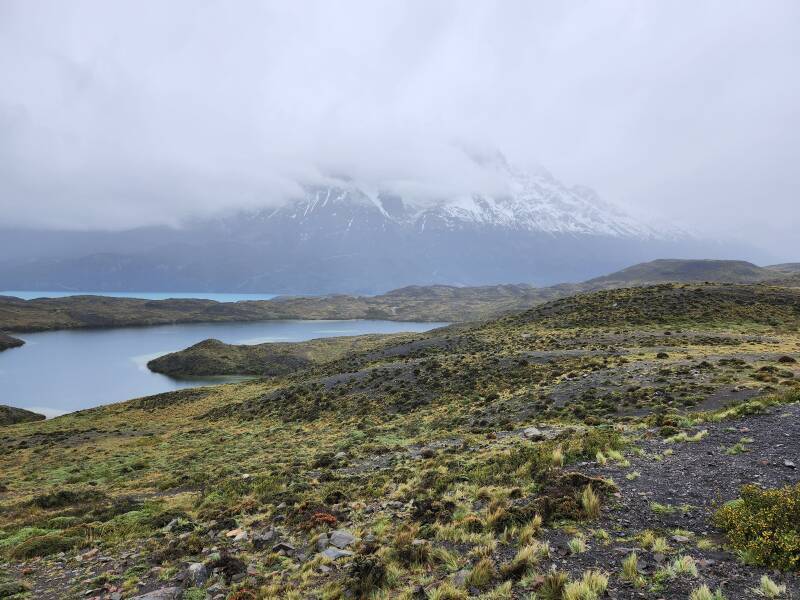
(115, 114)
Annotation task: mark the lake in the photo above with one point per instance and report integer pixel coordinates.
(219, 297)
(63, 371)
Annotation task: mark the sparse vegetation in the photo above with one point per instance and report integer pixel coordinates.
(477, 456)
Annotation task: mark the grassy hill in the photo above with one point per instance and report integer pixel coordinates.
(213, 357)
(786, 268)
(414, 303)
(11, 416)
(526, 456)
(682, 270)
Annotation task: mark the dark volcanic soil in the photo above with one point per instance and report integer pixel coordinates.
(694, 480)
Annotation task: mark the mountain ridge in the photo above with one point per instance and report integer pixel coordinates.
(349, 237)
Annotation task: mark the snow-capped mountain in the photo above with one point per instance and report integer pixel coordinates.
(343, 236)
(530, 202)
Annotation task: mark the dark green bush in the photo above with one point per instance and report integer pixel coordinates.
(44, 545)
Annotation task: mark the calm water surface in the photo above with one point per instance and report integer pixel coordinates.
(63, 371)
(219, 297)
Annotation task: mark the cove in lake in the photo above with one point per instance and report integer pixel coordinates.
(63, 371)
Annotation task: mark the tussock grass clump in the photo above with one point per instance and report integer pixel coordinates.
(705, 593)
(589, 587)
(764, 525)
(618, 458)
(660, 545)
(557, 458)
(681, 566)
(447, 591)
(590, 502)
(630, 570)
(577, 545)
(529, 531)
(769, 589)
(482, 573)
(685, 437)
(527, 558)
(408, 549)
(501, 592)
(553, 585)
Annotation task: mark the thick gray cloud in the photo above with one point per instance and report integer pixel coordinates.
(115, 114)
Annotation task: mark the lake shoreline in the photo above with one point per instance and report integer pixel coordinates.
(86, 368)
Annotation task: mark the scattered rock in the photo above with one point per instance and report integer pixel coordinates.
(285, 547)
(341, 538)
(334, 553)
(680, 539)
(262, 540)
(229, 566)
(242, 537)
(322, 542)
(790, 464)
(170, 593)
(533, 434)
(460, 578)
(196, 575)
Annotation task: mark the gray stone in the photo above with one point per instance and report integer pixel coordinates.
(283, 547)
(171, 525)
(341, 538)
(264, 539)
(335, 554)
(322, 542)
(196, 575)
(242, 537)
(680, 539)
(533, 433)
(790, 464)
(170, 593)
(460, 578)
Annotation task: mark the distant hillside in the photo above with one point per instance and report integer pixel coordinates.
(412, 303)
(680, 270)
(11, 416)
(6, 342)
(671, 303)
(786, 268)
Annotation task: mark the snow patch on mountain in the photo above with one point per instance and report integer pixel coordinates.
(530, 201)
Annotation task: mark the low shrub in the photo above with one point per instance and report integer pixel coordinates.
(764, 525)
(62, 498)
(44, 545)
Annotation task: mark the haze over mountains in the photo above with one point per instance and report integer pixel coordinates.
(342, 236)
